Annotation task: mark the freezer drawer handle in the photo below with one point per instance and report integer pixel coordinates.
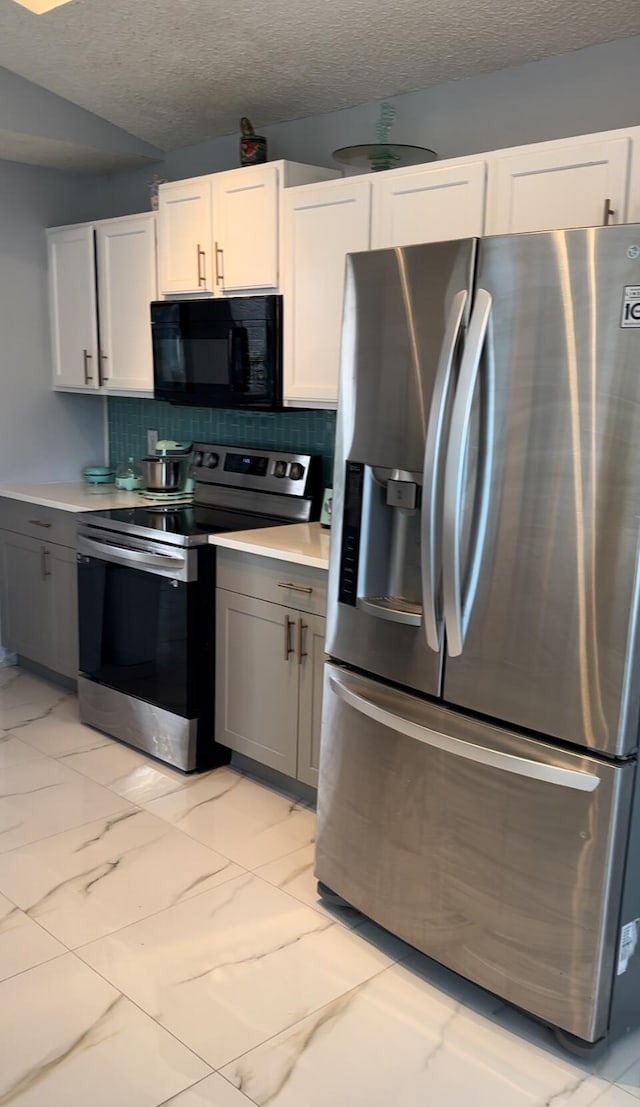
(430, 528)
(495, 759)
(456, 609)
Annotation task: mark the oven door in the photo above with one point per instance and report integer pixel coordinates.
(143, 627)
(218, 353)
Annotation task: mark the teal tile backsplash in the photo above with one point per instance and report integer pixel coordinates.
(130, 419)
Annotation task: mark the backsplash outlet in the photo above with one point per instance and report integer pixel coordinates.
(129, 420)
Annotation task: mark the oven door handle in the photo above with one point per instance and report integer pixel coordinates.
(172, 564)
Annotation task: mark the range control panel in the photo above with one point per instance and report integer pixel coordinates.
(276, 471)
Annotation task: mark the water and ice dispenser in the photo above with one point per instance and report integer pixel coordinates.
(380, 556)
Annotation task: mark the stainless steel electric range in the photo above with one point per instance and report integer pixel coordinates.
(146, 598)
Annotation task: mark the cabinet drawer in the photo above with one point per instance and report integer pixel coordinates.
(45, 523)
(298, 586)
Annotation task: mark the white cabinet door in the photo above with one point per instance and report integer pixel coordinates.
(72, 305)
(633, 207)
(257, 679)
(126, 286)
(245, 221)
(433, 204)
(322, 224)
(311, 658)
(184, 236)
(558, 185)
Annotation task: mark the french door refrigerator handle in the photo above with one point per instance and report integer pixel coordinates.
(496, 759)
(457, 609)
(430, 524)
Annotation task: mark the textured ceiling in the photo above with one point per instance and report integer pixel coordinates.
(174, 72)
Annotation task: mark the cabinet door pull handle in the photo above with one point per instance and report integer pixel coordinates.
(607, 212)
(287, 638)
(46, 572)
(87, 358)
(102, 375)
(295, 587)
(219, 269)
(301, 629)
(202, 271)
(39, 523)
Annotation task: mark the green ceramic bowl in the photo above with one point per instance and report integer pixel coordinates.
(99, 474)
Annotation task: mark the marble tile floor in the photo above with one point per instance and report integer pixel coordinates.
(162, 942)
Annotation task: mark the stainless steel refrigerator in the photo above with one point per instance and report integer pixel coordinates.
(478, 787)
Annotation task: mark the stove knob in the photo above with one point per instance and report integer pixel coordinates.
(280, 469)
(198, 457)
(297, 471)
(211, 461)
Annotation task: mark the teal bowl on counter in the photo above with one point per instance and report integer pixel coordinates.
(99, 474)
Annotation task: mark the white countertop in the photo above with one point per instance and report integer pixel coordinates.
(75, 495)
(303, 543)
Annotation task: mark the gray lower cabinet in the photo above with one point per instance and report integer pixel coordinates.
(26, 625)
(64, 595)
(310, 697)
(39, 601)
(269, 682)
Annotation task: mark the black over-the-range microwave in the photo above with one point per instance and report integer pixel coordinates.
(218, 352)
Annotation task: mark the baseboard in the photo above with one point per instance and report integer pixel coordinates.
(286, 784)
(47, 674)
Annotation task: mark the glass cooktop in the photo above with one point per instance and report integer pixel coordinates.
(190, 522)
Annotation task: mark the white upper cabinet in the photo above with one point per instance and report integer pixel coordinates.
(556, 185)
(72, 302)
(115, 261)
(431, 204)
(185, 237)
(126, 286)
(220, 234)
(245, 207)
(633, 207)
(321, 225)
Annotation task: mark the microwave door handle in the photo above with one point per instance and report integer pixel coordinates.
(574, 779)
(238, 353)
(430, 525)
(479, 341)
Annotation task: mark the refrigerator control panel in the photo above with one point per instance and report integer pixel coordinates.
(350, 552)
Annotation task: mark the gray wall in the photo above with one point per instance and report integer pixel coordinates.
(589, 90)
(36, 124)
(43, 435)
